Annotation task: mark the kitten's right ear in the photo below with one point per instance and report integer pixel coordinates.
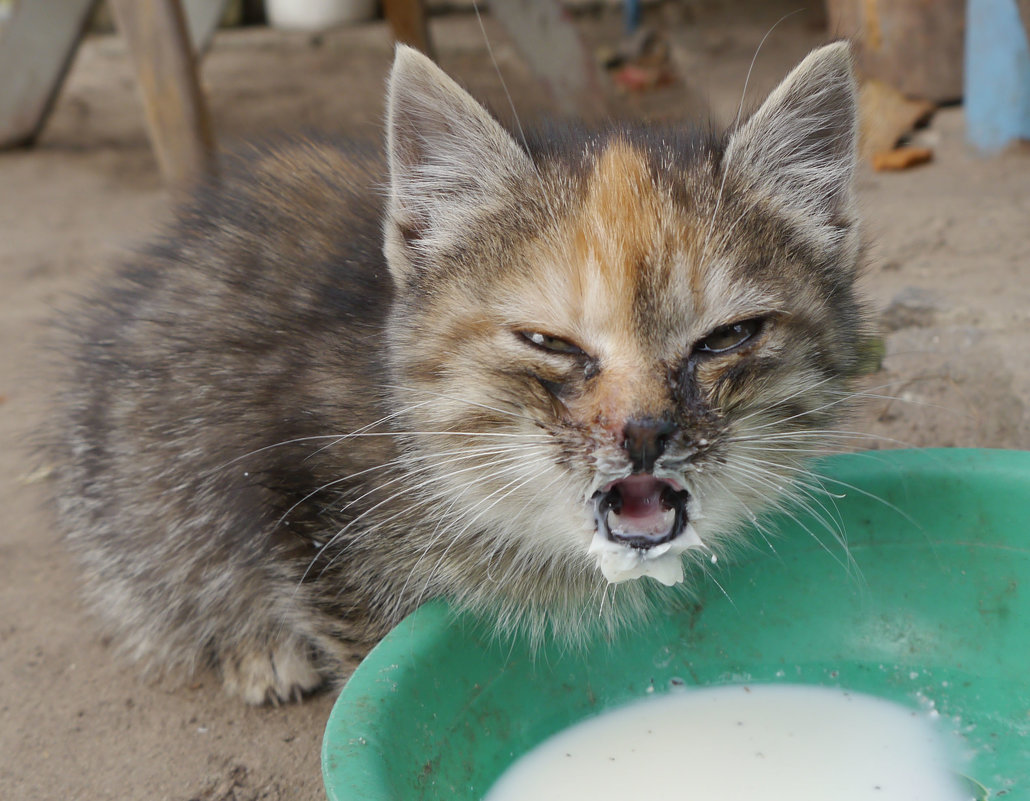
(450, 162)
(800, 147)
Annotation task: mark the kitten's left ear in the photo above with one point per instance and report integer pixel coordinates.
(800, 147)
(450, 162)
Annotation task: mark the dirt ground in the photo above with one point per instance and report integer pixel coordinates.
(949, 275)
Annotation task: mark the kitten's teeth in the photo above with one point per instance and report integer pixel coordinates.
(657, 525)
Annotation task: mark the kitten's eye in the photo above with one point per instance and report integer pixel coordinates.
(552, 344)
(726, 338)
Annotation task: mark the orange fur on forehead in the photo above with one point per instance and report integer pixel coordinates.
(621, 218)
(587, 270)
(614, 236)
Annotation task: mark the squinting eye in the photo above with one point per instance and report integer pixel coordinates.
(552, 344)
(726, 338)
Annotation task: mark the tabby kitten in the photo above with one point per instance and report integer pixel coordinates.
(581, 357)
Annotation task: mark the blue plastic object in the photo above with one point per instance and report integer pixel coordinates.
(997, 77)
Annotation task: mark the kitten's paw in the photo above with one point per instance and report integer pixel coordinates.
(282, 672)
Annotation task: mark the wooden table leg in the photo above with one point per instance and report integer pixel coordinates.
(407, 18)
(165, 66)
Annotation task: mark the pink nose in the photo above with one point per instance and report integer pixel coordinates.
(644, 440)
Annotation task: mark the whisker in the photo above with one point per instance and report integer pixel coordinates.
(847, 486)
(804, 390)
(405, 510)
(296, 440)
(753, 517)
(429, 468)
(796, 486)
(785, 498)
(467, 402)
(759, 469)
(798, 415)
(747, 446)
(805, 436)
(272, 447)
(605, 586)
(873, 496)
(504, 84)
(515, 485)
(394, 434)
(736, 125)
(564, 489)
(363, 429)
(443, 518)
(434, 460)
(717, 583)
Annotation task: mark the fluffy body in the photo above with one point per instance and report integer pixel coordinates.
(280, 436)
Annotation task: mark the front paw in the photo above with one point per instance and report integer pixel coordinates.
(266, 673)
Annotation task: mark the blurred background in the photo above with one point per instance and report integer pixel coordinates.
(108, 111)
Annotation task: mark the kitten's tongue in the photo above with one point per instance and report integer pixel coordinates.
(642, 529)
(643, 512)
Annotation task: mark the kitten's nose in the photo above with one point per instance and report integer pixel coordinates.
(644, 440)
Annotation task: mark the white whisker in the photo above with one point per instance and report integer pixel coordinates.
(736, 124)
(805, 389)
(785, 497)
(406, 509)
(504, 84)
(774, 480)
(445, 519)
(433, 461)
(515, 485)
(753, 518)
(467, 402)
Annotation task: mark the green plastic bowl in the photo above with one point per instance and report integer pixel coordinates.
(937, 612)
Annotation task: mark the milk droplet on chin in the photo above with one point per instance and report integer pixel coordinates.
(663, 563)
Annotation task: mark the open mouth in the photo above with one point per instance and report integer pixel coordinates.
(642, 529)
(641, 511)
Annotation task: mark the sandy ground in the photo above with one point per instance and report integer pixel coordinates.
(949, 272)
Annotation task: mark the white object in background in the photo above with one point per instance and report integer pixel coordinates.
(314, 15)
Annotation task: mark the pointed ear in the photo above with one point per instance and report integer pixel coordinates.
(799, 148)
(449, 162)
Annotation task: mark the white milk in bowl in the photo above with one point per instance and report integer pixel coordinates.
(757, 743)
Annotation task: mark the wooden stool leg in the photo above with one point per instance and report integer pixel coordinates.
(177, 119)
(407, 18)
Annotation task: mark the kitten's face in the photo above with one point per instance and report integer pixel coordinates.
(626, 350)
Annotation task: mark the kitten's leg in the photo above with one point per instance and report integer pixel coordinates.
(263, 672)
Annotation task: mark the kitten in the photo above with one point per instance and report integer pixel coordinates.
(580, 357)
